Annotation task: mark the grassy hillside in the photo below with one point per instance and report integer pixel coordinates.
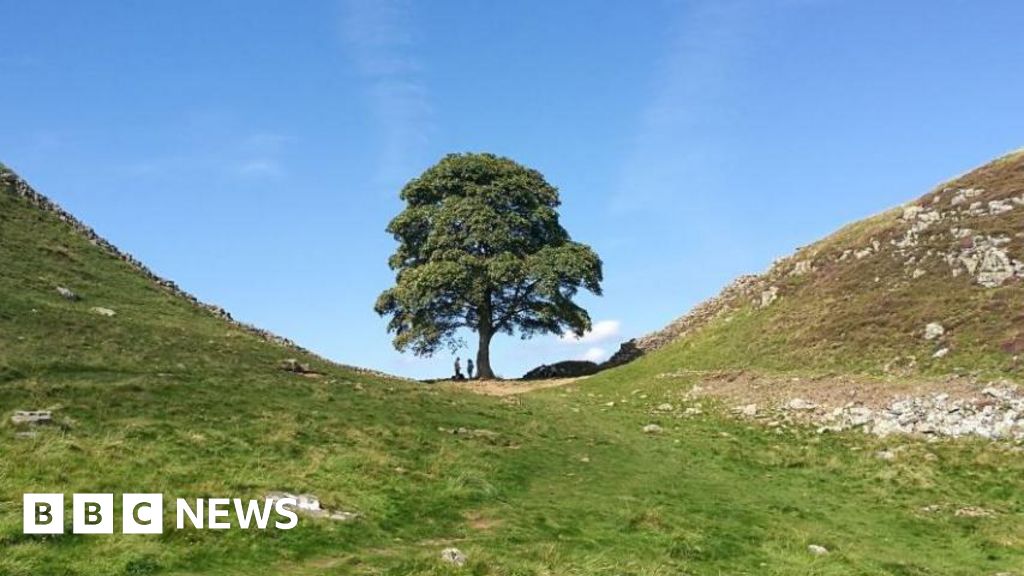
(859, 300)
(168, 396)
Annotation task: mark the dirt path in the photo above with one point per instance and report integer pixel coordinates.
(507, 387)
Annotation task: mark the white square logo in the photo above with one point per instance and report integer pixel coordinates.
(142, 513)
(92, 514)
(43, 513)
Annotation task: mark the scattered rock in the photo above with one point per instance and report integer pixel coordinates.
(748, 411)
(964, 195)
(454, 556)
(974, 512)
(802, 267)
(36, 417)
(985, 258)
(911, 212)
(296, 367)
(470, 433)
(863, 253)
(769, 296)
(940, 353)
(933, 330)
(653, 429)
(309, 505)
(817, 550)
(67, 294)
(102, 311)
(996, 267)
(999, 414)
(666, 407)
(998, 207)
(800, 404)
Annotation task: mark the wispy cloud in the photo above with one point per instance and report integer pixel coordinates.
(599, 332)
(259, 154)
(215, 146)
(674, 143)
(260, 167)
(380, 39)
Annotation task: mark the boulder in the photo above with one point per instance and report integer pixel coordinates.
(653, 429)
(294, 366)
(566, 369)
(933, 330)
(749, 410)
(800, 404)
(454, 556)
(67, 293)
(32, 417)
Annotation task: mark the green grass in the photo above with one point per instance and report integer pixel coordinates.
(165, 397)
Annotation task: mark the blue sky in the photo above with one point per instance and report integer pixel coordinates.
(253, 151)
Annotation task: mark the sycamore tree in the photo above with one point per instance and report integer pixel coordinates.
(480, 247)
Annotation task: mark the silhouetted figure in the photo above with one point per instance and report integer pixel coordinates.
(469, 368)
(458, 369)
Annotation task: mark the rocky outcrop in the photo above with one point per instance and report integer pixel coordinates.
(566, 369)
(997, 415)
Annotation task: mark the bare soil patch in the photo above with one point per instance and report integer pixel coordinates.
(507, 387)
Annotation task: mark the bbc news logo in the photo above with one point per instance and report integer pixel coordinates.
(144, 513)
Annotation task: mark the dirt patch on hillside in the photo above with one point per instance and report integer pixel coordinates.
(507, 387)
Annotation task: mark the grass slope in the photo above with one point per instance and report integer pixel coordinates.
(166, 397)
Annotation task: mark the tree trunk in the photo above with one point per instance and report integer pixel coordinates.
(483, 355)
(485, 330)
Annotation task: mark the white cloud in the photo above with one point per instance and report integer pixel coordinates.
(259, 155)
(594, 354)
(599, 332)
(260, 167)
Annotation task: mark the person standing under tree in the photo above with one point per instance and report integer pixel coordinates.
(469, 368)
(458, 368)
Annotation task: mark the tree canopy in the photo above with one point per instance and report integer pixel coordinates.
(480, 247)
